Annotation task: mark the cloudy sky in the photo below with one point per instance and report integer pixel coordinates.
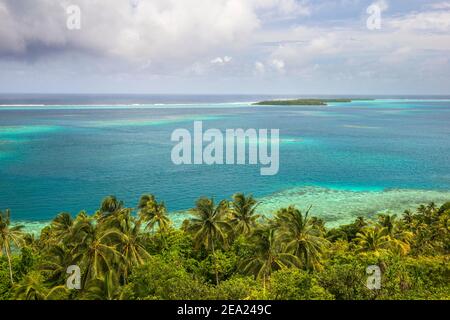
(225, 46)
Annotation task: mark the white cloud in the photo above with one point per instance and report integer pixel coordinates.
(260, 69)
(221, 61)
(278, 65)
(283, 9)
(425, 21)
(183, 38)
(398, 56)
(20, 28)
(160, 30)
(440, 5)
(382, 4)
(217, 60)
(317, 44)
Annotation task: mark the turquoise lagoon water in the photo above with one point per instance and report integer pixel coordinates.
(345, 159)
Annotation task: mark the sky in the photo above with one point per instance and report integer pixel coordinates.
(225, 46)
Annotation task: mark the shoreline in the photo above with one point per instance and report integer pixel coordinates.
(337, 206)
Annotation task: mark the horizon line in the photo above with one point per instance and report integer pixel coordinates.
(223, 94)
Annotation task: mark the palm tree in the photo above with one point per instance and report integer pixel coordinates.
(408, 217)
(95, 249)
(360, 222)
(445, 207)
(29, 241)
(318, 223)
(432, 206)
(399, 240)
(105, 288)
(209, 226)
(388, 222)
(121, 220)
(9, 236)
(82, 227)
(109, 205)
(32, 288)
(373, 239)
(153, 213)
(422, 209)
(243, 216)
(57, 259)
(132, 247)
(303, 236)
(269, 255)
(131, 241)
(61, 226)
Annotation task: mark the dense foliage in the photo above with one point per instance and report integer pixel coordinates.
(226, 250)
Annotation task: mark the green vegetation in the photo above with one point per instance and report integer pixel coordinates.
(225, 250)
(301, 102)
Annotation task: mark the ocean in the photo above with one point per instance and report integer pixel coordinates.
(67, 152)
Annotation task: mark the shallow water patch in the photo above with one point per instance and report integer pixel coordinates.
(146, 122)
(17, 131)
(355, 126)
(340, 206)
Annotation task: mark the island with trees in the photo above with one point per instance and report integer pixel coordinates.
(300, 102)
(306, 102)
(226, 250)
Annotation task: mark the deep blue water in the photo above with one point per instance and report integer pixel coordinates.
(67, 158)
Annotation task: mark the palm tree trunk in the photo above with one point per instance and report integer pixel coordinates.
(264, 286)
(215, 264)
(8, 255)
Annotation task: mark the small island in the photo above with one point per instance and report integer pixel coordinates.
(301, 102)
